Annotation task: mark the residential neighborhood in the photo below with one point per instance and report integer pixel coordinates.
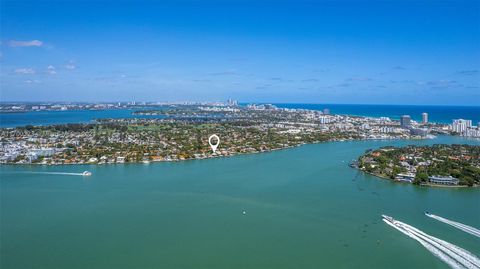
(425, 165)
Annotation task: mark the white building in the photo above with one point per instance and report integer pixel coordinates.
(424, 118)
(443, 180)
(472, 132)
(387, 129)
(461, 125)
(324, 119)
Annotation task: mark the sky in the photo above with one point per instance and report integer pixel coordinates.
(366, 52)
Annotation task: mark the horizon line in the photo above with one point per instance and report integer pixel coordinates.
(239, 102)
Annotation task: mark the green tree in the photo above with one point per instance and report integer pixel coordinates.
(420, 177)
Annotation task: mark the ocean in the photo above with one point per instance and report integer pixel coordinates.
(302, 207)
(440, 114)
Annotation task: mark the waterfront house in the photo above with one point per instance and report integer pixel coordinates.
(443, 180)
(405, 177)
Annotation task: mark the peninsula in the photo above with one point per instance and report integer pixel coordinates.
(180, 132)
(174, 132)
(447, 165)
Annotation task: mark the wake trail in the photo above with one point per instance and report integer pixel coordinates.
(52, 173)
(454, 256)
(468, 229)
(461, 255)
(436, 252)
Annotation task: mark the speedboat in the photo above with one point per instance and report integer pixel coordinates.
(388, 218)
(86, 173)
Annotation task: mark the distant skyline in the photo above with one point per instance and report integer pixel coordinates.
(344, 52)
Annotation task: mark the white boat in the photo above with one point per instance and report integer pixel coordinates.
(388, 218)
(86, 173)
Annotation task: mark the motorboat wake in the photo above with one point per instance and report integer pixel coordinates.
(468, 229)
(454, 256)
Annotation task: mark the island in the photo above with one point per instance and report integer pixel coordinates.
(176, 132)
(439, 165)
(180, 132)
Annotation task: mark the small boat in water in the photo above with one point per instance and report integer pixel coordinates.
(388, 218)
(86, 173)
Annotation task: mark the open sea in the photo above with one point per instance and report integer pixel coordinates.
(440, 114)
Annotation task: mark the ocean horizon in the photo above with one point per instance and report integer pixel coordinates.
(436, 113)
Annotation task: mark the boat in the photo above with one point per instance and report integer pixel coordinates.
(353, 164)
(388, 218)
(86, 173)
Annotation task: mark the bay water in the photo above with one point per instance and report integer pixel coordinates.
(296, 208)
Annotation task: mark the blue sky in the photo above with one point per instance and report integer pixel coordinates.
(369, 52)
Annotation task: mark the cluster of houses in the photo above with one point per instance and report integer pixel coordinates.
(439, 180)
(409, 170)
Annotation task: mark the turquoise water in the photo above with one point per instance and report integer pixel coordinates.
(61, 117)
(304, 208)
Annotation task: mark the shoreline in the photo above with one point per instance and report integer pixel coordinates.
(213, 157)
(164, 161)
(259, 152)
(420, 185)
(223, 156)
(219, 156)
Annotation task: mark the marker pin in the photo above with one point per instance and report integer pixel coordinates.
(214, 146)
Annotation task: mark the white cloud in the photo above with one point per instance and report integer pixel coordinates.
(34, 81)
(70, 65)
(51, 70)
(24, 71)
(30, 43)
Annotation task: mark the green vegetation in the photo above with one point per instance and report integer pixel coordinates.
(461, 162)
(155, 140)
(181, 132)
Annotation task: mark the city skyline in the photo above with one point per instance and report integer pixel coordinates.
(373, 52)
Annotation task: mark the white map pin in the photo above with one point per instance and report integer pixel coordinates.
(214, 146)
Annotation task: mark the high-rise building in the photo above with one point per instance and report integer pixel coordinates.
(232, 102)
(424, 118)
(324, 119)
(461, 125)
(405, 121)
